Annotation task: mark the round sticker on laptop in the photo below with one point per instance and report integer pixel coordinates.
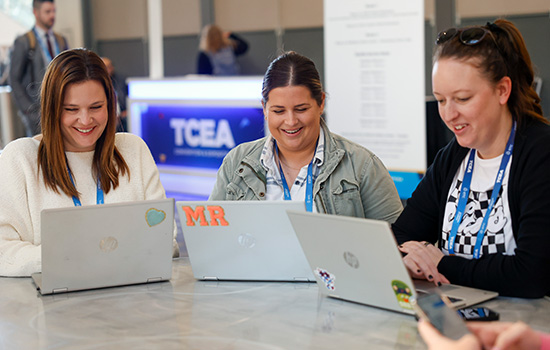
(403, 294)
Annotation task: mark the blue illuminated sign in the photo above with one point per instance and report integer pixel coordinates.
(198, 136)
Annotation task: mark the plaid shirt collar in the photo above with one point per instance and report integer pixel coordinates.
(267, 159)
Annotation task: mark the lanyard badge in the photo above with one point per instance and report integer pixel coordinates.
(99, 191)
(465, 191)
(309, 182)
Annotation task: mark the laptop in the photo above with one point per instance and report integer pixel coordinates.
(358, 260)
(243, 240)
(106, 245)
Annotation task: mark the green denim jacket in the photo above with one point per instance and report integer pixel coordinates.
(352, 181)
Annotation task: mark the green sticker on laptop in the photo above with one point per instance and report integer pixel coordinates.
(403, 294)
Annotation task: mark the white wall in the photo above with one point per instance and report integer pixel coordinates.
(68, 21)
(181, 17)
(252, 15)
(119, 19)
(127, 19)
(477, 8)
(10, 30)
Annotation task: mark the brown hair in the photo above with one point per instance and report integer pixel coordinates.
(72, 67)
(292, 69)
(37, 3)
(501, 53)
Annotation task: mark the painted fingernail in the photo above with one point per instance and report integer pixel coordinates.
(418, 271)
(430, 277)
(439, 284)
(401, 246)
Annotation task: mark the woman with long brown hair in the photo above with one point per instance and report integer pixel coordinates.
(78, 159)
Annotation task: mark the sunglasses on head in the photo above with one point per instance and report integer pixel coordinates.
(468, 36)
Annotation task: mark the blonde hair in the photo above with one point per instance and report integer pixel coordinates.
(212, 39)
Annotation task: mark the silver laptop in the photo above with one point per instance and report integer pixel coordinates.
(358, 260)
(243, 240)
(106, 245)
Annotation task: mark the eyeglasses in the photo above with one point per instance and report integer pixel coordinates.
(467, 36)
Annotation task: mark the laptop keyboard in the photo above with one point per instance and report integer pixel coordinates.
(451, 299)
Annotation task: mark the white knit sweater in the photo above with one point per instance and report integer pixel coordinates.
(23, 195)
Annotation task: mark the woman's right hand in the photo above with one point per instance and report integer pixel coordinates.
(422, 259)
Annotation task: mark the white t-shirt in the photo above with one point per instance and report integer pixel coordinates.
(499, 237)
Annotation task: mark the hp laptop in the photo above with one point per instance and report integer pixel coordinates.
(358, 260)
(106, 245)
(243, 240)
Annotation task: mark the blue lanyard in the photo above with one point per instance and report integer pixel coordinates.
(44, 47)
(309, 182)
(465, 191)
(99, 194)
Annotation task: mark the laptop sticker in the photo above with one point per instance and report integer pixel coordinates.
(154, 217)
(198, 215)
(403, 294)
(327, 277)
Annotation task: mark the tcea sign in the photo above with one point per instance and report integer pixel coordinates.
(198, 136)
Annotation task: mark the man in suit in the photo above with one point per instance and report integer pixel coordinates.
(30, 55)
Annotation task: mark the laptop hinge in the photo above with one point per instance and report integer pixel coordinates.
(154, 279)
(60, 290)
(301, 279)
(208, 278)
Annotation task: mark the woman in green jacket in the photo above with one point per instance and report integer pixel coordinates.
(301, 159)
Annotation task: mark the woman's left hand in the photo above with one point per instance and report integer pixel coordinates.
(435, 340)
(422, 259)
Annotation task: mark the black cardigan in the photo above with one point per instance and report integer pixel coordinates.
(524, 274)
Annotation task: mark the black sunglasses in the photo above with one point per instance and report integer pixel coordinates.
(468, 36)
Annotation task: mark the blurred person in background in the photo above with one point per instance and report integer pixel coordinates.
(121, 91)
(30, 55)
(218, 52)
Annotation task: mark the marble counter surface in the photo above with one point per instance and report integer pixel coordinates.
(189, 314)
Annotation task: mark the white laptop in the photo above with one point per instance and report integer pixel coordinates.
(243, 240)
(358, 260)
(106, 245)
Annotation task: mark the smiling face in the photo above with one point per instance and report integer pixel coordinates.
(84, 116)
(472, 107)
(294, 119)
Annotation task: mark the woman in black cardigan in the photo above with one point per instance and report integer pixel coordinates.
(495, 173)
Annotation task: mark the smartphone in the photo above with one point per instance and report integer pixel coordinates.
(478, 314)
(435, 308)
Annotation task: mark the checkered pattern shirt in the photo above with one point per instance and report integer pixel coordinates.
(499, 237)
(274, 188)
